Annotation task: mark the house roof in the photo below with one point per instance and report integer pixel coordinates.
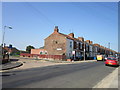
(67, 36)
(56, 31)
(75, 39)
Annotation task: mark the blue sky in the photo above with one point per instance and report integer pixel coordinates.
(32, 22)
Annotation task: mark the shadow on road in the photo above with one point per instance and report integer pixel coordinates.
(113, 66)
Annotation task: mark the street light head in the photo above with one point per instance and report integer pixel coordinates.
(10, 27)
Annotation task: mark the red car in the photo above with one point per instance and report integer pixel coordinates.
(112, 61)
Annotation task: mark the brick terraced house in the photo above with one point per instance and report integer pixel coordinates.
(60, 44)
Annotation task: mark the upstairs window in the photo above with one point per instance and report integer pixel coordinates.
(75, 45)
(55, 42)
(79, 46)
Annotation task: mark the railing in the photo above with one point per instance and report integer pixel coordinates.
(38, 56)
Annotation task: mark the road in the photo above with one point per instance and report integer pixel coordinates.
(78, 75)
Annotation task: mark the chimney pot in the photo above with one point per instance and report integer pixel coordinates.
(56, 29)
(88, 41)
(91, 42)
(81, 39)
(71, 35)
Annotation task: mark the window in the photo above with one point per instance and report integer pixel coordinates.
(45, 52)
(55, 42)
(70, 44)
(75, 45)
(40, 52)
(80, 45)
(87, 47)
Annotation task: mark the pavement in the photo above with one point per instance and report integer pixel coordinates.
(11, 65)
(111, 81)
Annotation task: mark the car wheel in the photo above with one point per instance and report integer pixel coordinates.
(106, 65)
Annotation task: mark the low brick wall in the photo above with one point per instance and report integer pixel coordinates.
(38, 56)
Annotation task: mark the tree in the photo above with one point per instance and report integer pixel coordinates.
(28, 48)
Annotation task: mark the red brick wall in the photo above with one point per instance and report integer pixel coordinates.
(55, 57)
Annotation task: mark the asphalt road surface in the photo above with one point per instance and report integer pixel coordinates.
(79, 75)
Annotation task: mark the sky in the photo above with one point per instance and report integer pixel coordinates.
(32, 22)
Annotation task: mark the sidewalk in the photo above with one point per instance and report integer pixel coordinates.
(110, 81)
(10, 65)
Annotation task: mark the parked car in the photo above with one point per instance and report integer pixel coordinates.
(100, 58)
(112, 61)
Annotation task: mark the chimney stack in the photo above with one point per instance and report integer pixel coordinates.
(88, 41)
(71, 35)
(56, 30)
(97, 44)
(91, 42)
(81, 39)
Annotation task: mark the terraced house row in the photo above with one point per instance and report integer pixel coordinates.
(60, 44)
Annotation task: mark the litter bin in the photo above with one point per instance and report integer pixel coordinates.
(94, 58)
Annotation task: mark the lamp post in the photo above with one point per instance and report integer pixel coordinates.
(84, 50)
(3, 45)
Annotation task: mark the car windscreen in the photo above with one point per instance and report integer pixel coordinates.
(111, 58)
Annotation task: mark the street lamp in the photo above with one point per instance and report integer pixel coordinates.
(9, 27)
(84, 50)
